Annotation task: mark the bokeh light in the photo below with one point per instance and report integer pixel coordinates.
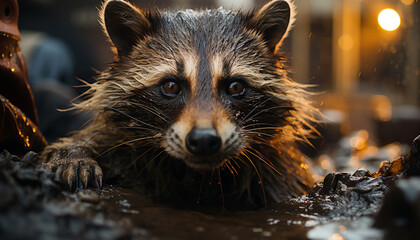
(389, 19)
(407, 2)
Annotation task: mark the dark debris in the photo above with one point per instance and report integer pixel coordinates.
(32, 205)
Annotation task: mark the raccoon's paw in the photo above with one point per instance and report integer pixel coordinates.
(79, 173)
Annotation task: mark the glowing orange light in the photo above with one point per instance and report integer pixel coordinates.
(336, 236)
(346, 42)
(324, 161)
(407, 2)
(389, 19)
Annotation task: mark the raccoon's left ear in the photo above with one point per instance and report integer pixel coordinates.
(274, 20)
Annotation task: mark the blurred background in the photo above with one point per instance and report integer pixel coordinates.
(362, 56)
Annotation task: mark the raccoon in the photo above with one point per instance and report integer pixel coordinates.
(196, 107)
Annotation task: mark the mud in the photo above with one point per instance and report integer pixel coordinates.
(32, 206)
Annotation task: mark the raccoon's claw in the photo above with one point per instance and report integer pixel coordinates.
(76, 173)
(95, 177)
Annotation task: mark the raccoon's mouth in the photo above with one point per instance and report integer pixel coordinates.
(208, 163)
(203, 163)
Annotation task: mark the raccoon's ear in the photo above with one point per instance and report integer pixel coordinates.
(274, 20)
(124, 24)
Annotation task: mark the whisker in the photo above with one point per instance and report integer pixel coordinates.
(241, 160)
(233, 160)
(262, 142)
(126, 142)
(153, 111)
(221, 191)
(263, 156)
(151, 161)
(259, 157)
(133, 128)
(231, 167)
(91, 138)
(259, 177)
(268, 163)
(259, 105)
(261, 133)
(137, 128)
(128, 115)
(133, 163)
(225, 165)
(266, 110)
(265, 128)
(259, 124)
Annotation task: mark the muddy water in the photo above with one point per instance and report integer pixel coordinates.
(154, 220)
(343, 206)
(324, 213)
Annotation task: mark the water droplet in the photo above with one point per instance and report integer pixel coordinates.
(272, 221)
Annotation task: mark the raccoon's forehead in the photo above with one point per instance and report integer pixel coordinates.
(217, 30)
(213, 20)
(202, 47)
(217, 41)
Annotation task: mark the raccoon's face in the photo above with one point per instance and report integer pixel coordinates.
(201, 76)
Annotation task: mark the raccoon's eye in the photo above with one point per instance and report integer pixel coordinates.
(170, 88)
(236, 88)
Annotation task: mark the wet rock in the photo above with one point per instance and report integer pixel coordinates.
(23, 181)
(403, 166)
(7, 195)
(32, 206)
(345, 196)
(414, 156)
(400, 212)
(362, 173)
(401, 206)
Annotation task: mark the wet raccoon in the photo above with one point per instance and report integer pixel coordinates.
(196, 107)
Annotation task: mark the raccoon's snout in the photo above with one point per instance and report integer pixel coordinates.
(203, 142)
(203, 146)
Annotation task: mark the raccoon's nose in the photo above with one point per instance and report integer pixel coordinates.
(203, 141)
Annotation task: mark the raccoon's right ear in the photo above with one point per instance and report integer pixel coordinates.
(124, 24)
